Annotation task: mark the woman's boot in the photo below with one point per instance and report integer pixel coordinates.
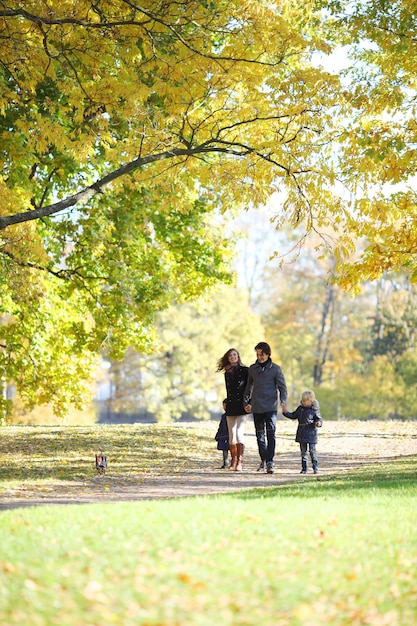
(240, 450)
(233, 452)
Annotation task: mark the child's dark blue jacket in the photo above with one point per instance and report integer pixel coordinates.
(308, 418)
(222, 435)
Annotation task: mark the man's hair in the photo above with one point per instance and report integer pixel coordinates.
(265, 347)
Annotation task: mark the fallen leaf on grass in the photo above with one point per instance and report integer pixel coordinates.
(30, 584)
(8, 568)
(93, 591)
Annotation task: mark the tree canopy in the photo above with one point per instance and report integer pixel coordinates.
(127, 128)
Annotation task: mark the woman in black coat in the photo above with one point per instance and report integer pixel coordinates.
(236, 377)
(309, 419)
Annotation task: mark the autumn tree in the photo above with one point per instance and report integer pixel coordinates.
(313, 325)
(377, 160)
(393, 330)
(357, 353)
(123, 127)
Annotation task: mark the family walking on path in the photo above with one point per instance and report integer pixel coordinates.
(253, 389)
(256, 390)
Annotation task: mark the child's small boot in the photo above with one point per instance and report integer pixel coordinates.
(225, 459)
(303, 466)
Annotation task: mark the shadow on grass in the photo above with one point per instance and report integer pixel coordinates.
(398, 474)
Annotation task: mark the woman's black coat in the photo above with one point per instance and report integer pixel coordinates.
(235, 379)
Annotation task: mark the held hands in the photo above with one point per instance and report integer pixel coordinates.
(283, 408)
(248, 408)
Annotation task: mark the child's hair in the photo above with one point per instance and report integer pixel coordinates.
(308, 395)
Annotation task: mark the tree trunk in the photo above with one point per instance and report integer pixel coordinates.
(325, 335)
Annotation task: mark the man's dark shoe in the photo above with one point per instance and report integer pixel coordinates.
(270, 468)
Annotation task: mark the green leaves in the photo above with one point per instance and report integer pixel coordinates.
(144, 124)
(108, 276)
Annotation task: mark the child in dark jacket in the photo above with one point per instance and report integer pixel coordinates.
(309, 419)
(222, 438)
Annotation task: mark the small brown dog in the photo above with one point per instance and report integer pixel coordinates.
(101, 463)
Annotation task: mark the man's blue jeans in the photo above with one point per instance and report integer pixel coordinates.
(265, 426)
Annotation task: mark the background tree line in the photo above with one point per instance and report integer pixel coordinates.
(357, 353)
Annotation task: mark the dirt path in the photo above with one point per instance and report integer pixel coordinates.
(341, 448)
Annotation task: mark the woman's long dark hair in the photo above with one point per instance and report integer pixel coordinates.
(223, 363)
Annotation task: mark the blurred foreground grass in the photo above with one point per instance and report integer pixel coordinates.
(336, 552)
(339, 552)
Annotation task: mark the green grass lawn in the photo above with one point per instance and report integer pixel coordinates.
(341, 551)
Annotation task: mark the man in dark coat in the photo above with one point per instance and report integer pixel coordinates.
(265, 380)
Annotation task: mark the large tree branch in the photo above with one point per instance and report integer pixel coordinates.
(233, 149)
